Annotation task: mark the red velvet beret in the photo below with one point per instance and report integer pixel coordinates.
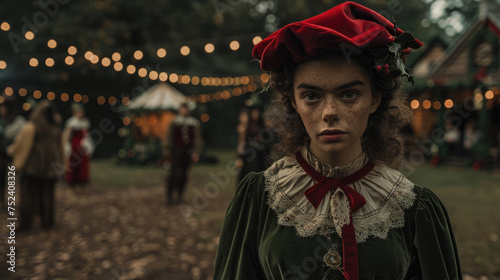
(343, 26)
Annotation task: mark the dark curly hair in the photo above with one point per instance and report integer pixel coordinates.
(381, 140)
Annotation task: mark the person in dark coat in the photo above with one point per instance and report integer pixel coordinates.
(182, 147)
(37, 154)
(10, 125)
(252, 151)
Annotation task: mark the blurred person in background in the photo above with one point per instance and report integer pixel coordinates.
(181, 147)
(251, 150)
(471, 136)
(37, 153)
(241, 132)
(451, 138)
(78, 148)
(10, 125)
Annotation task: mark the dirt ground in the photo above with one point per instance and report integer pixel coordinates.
(121, 229)
(119, 233)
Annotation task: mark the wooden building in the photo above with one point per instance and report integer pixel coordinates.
(458, 86)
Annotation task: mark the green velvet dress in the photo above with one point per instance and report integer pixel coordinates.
(259, 241)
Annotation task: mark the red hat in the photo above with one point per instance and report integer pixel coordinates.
(343, 26)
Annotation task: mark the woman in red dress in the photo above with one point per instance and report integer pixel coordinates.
(78, 147)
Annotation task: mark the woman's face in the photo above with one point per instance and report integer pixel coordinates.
(3, 111)
(79, 114)
(244, 117)
(255, 114)
(334, 100)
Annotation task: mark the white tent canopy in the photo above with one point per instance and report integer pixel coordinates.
(161, 96)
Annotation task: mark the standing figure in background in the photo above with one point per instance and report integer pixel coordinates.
(253, 149)
(37, 152)
(241, 130)
(182, 147)
(78, 147)
(10, 125)
(471, 135)
(451, 138)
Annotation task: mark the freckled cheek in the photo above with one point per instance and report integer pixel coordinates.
(356, 119)
(310, 118)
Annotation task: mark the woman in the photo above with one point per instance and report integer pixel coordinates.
(251, 150)
(330, 208)
(10, 125)
(78, 148)
(37, 154)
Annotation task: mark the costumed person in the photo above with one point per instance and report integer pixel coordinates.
(451, 138)
(181, 148)
(10, 125)
(251, 151)
(241, 130)
(471, 136)
(331, 208)
(78, 148)
(37, 153)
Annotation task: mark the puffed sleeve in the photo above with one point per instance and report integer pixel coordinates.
(237, 254)
(435, 253)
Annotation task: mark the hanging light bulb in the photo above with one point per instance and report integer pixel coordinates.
(77, 97)
(69, 60)
(52, 44)
(23, 92)
(185, 50)
(105, 61)
(142, 72)
(161, 53)
(118, 66)
(9, 91)
(173, 78)
(234, 45)
(138, 55)
(256, 40)
(72, 50)
(51, 95)
(131, 69)
(153, 75)
(29, 35)
(5, 26)
(33, 62)
(116, 56)
(64, 97)
(209, 48)
(163, 76)
(49, 62)
(88, 55)
(94, 59)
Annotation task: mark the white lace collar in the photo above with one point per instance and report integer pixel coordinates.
(333, 171)
(386, 191)
(78, 124)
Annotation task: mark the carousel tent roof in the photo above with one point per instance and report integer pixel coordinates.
(161, 96)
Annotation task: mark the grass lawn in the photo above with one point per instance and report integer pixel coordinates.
(108, 172)
(471, 198)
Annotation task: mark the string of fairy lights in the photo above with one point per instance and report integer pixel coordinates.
(242, 84)
(448, 103)
(246, 84)
(115, 62)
